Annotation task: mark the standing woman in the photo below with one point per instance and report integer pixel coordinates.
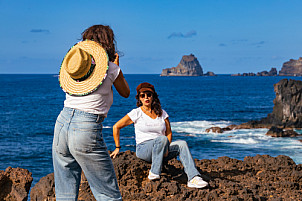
(153, 136)
(87, 74)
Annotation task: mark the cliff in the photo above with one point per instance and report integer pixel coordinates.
(255, 178)
(287, 111)
(188, 66)
(291, 68)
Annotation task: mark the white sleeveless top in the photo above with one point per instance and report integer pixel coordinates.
(100, 101)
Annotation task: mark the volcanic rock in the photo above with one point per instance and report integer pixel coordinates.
(291, 68)
(261, 177)
(279, 132)
(287, 110)
(217, 129)
(45, 188)
(209, 73)
(188, 66)
(273, 72)
(15, 184)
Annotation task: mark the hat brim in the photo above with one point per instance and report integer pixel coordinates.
(89, 85)
(146, 89)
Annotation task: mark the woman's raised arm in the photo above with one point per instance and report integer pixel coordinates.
(125, 121)
(121, 85)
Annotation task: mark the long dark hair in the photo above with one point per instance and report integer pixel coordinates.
(103, 35)
(155, 105)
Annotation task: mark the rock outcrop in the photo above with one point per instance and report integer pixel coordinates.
(291, 68)
(188, 66)
(255, 178)
(279, 132)
(210, 73)
(15, 184)
(272, 72)
(287, 112)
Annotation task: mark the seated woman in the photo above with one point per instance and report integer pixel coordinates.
(153, 136)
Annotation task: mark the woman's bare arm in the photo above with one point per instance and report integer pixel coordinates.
(125, 121)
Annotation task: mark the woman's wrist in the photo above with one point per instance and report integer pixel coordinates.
(118, 147)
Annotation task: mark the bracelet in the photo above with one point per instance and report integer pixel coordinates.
(118, 147)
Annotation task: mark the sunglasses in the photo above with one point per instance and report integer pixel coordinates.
(145, 94)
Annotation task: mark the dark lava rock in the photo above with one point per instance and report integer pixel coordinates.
(15, 184)
(188, 66)
(273, 72)
(209, 73)
(279, 132)
(261, 177)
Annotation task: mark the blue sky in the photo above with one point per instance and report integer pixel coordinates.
(225, 36)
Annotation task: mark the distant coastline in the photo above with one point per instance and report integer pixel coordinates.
(190, 66)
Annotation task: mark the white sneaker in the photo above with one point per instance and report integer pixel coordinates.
(152, 176)
(197, 182)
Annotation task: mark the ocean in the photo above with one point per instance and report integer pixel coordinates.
(30, 104)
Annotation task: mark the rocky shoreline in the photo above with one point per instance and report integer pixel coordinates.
(261, 177)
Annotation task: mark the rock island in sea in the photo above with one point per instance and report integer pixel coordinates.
(188, 66)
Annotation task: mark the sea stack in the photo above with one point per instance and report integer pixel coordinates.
(292, 68)
(188, 66)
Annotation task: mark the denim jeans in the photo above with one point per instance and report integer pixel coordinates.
(154, 150)
(78, 146)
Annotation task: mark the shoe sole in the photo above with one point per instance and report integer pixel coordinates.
(154, 179)
(195, 186)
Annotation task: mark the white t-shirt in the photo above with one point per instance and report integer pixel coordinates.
(100, 101)
(147, 128)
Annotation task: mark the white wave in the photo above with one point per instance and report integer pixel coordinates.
(292, 147)
(196, 127)
(107, 127)
(238, 141)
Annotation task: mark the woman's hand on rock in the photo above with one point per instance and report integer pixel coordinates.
(115, 152)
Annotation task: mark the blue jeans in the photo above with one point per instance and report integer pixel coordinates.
(78, 145)
(154, 150)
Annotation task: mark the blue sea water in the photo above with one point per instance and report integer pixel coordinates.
(29, 105)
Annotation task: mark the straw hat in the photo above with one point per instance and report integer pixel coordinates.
(84, 68)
